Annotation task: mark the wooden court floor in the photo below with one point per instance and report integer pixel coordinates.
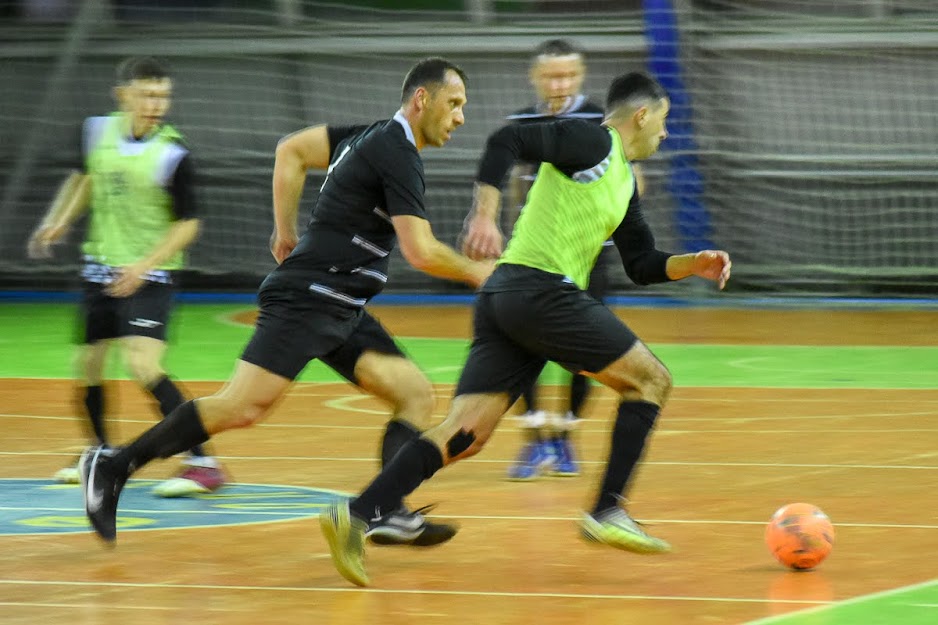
(721, 461)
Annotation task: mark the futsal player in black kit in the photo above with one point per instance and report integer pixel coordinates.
(312, 304)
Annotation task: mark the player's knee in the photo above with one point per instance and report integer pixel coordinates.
(243, 415)
(89, 363)
(147, 376)
(143, 365)
(657, 384)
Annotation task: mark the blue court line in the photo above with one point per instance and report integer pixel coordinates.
(429, 299)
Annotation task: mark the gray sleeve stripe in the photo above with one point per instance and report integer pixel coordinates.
(169, 161)
(92, 131)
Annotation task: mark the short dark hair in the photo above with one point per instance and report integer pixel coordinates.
(431, 71)
(141, 68)
(633, 87)
(557, 47)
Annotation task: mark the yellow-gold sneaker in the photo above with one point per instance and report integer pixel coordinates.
(614, 527)
(345, 534)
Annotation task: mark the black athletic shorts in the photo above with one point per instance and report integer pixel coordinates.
(145, 313)
(524, 317)
(295, 327)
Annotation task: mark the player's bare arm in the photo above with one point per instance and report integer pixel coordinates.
(483, 238)
(296, 154)
(645, 264)
(427, 254)
(70, 203)
(180, 236)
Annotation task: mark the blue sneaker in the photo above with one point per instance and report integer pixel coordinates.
(565, 464)
(534, 457)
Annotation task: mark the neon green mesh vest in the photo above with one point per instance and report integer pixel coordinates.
(564, 223)
(131, 211)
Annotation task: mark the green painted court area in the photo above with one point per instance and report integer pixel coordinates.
(912, 605)
(36, 340)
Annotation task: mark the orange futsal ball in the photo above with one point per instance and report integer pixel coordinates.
(800, 536)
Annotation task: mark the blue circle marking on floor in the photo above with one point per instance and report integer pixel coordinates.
(31, 506)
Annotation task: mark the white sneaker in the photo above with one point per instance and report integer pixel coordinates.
(197, 476)
(68, 475)
(533, 419)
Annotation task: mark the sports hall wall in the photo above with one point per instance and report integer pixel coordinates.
(812, 129)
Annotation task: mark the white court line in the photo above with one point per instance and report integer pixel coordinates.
(98, 606)
(404, 591)
(603, 396)
(794, 617)
(292, 512)
(594, 462)
(679, 521)
(300, 514)
(666, 463)
(509, 422)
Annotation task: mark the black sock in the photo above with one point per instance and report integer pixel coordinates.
(530, 398)
(579, 391)
(176, 433)
(170, 398)
(635, 421)
(416, 461)
(397, 434)
(94, 406)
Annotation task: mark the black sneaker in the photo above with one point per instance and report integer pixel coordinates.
(101, 487)
(402, 527)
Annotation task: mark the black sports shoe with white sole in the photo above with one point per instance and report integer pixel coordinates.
(101, 487)
(402, 527)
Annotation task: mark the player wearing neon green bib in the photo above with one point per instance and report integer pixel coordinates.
(533, 309)
(129, 172)
(557, 72)
(566, 220)
(135, 180)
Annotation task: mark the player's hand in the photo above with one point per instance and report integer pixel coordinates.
(43, 238)
(128, 281)
(282, 244)
(713, 265)
(484, 269)
(482, 238)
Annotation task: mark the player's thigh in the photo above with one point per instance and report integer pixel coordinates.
(143, 321)
(250, 384)
(372, 360)
(248, 396)
(565, 325)
(91, 360)
(496, 364)
(361, 357)
(293, 328)
(637, 374)
(395, 379)
(143, 356)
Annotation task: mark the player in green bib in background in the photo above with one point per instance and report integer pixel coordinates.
(535, 308)
(136, 182)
